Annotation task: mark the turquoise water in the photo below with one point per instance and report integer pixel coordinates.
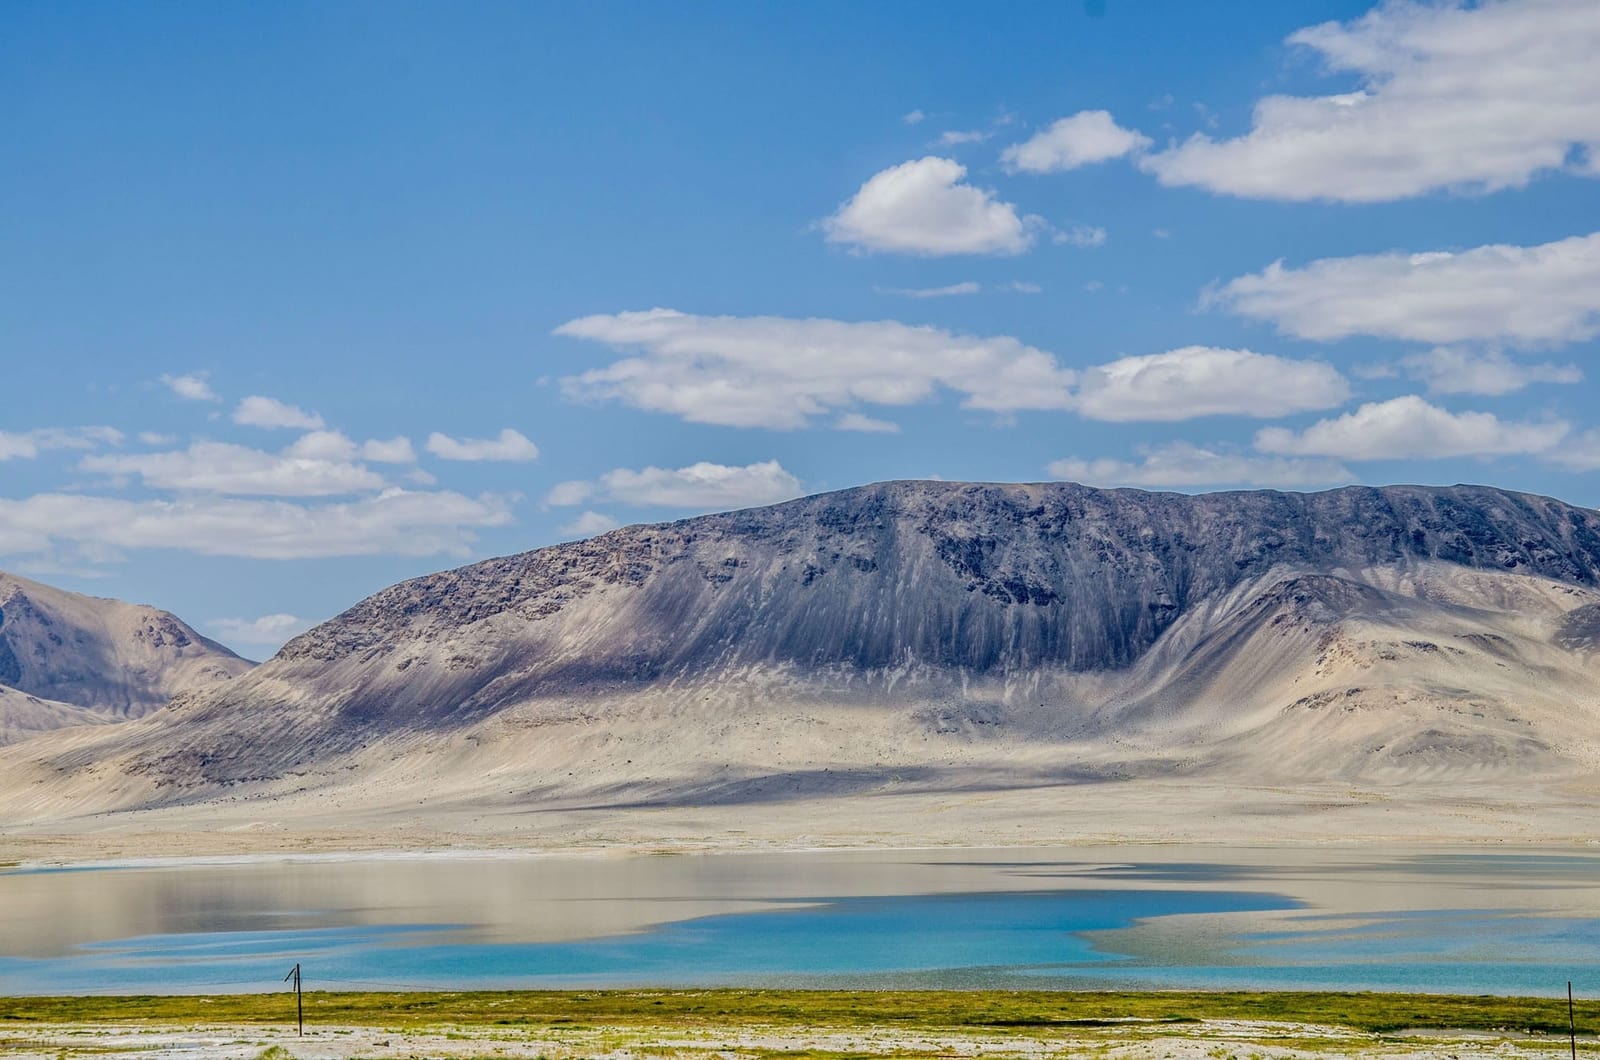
(1065, 938)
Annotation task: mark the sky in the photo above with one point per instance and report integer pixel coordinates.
(301, 299)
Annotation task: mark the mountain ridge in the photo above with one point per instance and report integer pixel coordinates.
(973, 636)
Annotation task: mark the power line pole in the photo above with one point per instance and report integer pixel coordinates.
(1572, 1023)
(299, 1005)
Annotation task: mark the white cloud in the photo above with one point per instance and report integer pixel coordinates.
(1409, 428)
(1538, 295)
(1455, 371)
(1086, 137)
(1024, 287)
(258, 411)
(965, 287)
(589, 524)
(334, 445)
(1475, 98)
(396, 450)
(1080, 236)
(781, 372)
(323, 445)
(569, 494)
(1204, 381)
(956, 137)
(26, 445)
(192, 387)
(1182, 465)
(316, 469)
(507, 445)
(854, 421)
(922, 207)
(703, 485)
(1579, 453)
(156, 438)
(268, 629)
(395, 522)
(915, 117)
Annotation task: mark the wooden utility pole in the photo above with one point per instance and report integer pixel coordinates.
(1572, 1023)
(299, 1005)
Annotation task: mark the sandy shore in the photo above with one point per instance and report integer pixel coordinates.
(1144, 813)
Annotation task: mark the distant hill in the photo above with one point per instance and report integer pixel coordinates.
(66, 658)
(918, 637)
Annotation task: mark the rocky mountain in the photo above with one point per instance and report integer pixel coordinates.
(924, 636)
(69, 659)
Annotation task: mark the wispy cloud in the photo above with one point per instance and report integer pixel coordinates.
(507, 445)
(700, 486)
(192, 387)
(259, 411)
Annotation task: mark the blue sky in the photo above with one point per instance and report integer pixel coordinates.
(299, 300)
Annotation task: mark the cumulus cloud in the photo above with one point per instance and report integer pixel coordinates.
(1205, 381)
(702, 486)
(1446, 370)
(507, 445)
(1411, 428)
(1182, 465)
(335, 445)
(1087, 136)
(303, 470)
(1475, 98)
(396, 450)
(26, 445)
(258, 411)
(957, 137)
(394, 522)
(589, 524)
(192, 387)
(922, 207)
(271, 630)
(782, 372)
(1540, 295)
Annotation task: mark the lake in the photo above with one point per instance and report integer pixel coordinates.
(1508, 922)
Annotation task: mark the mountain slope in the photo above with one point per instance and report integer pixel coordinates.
(116, 659)
(917, 636)
(22, 715)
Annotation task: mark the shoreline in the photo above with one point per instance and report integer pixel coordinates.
(508, 853)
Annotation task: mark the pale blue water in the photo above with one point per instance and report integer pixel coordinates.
(1069, 938)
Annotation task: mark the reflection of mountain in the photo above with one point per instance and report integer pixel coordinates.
(67, 659)
(918, 636)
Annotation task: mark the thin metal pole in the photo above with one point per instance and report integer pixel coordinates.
(1572, 1023)
(299, 1003)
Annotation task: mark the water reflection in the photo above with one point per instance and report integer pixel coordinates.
(1086, 917)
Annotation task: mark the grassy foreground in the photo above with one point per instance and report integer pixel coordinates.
(1030, 1012)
